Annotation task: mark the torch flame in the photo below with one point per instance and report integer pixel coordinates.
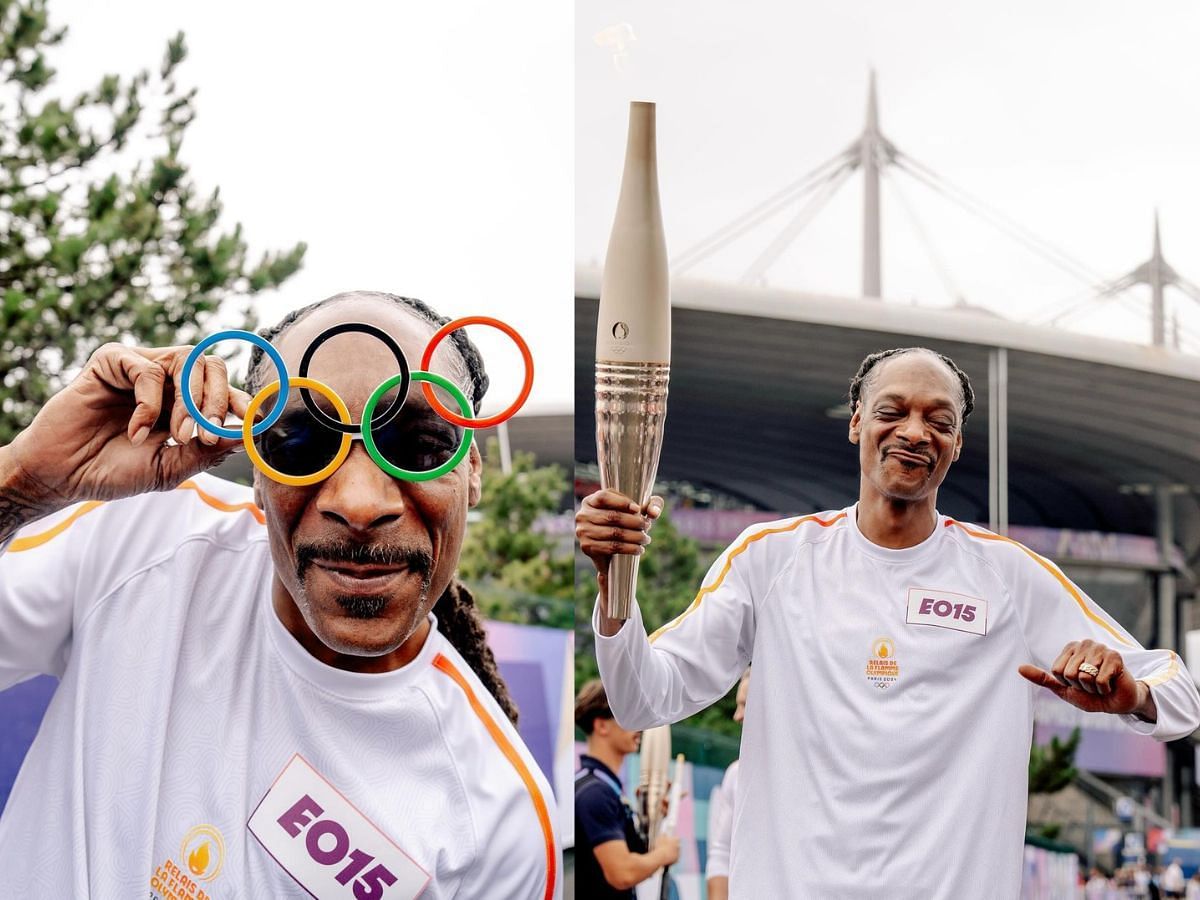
(198, 859)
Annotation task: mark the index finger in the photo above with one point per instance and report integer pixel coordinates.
(126, 369)
(238, 401)
(1060, 664)
(609, 499)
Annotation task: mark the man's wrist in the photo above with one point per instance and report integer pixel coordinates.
(606, 626)
(20, 504)
(1146, 709)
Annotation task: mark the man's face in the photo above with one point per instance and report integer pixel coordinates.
(908, 426)
(361, 555)
(618, 738)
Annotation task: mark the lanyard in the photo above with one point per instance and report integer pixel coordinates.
(603, 776)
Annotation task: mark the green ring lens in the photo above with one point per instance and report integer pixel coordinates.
(408, 474)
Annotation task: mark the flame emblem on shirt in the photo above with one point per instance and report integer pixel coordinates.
(203, 850)
(198, 859)
(882, 668)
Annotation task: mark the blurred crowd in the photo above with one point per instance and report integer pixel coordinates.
(1141, 882)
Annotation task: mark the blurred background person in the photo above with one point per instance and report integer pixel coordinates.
(611, 857)
(1173, 884)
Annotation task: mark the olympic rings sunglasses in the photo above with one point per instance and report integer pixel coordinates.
(302, 447)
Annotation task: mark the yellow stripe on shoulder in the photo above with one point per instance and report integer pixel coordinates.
(31, 541)
(746, 542)
(1049, 567)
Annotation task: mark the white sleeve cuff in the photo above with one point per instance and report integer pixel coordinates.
(633, 626)
(1176, 710)
(1140, 726)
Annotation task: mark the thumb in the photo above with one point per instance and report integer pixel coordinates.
(238, 403)
(654, 507)
(1042, 678)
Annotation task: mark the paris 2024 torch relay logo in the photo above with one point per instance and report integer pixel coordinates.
(882, 669)
(201, 856)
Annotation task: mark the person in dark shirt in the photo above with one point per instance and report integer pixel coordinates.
(610, 854)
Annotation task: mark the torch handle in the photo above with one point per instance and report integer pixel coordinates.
(631, 409)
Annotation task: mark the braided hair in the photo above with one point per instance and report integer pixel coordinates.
(458, 619)
(457, 616)
(862, 379)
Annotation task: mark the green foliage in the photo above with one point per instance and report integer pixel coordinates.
(517, 572)
(669, 576)
(96, 247)
(1052, 766)
(1050, 831)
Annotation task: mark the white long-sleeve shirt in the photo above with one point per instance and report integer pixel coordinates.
(195, 749)
(886, 743)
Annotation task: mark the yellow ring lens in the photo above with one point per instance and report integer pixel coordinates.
(261, 464)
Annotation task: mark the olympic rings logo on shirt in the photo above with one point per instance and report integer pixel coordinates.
(364, 430)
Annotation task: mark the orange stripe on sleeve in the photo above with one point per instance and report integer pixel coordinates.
(1045, 564)
(217, 503)
(510, 753)
(758, 535)
(36, 540)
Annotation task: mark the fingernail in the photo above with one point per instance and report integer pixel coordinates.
(140, 435)
(188, 428)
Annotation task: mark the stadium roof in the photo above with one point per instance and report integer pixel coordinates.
(759, 377)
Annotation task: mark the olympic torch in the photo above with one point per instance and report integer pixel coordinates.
(653, 777)
(671, 822)
(633, 343)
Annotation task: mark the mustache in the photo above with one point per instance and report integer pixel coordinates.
(911, 451)
(414, 559)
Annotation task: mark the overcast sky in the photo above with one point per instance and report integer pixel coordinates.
(418, 148)
(1075, 118)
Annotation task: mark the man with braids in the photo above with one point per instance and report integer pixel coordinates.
(897, 655)
(263, 692)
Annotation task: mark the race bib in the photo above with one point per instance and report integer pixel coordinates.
(944, 609)
(330, 848)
